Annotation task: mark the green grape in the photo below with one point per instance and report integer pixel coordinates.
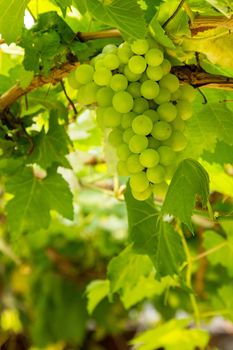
(142, 125)
(72, 81)
(177, 141)
(167, 111)
(122, 101)
(104, 96)
(102, 76)
(87, 94)
(154, 73)
(184, 109)
(152, 114)
(138, 143)
(130, 75)
(134, 89)
(111, 117)
(143, 78)
(139, 182)
(160, 189)
(161, 130)
(140, 46)
(170, 81)
(123, 152)
(187, 92)
(84, 73)
(149, 158)
(133, 164)
(176, 95)
(100, 117)
(163, 96)
(152, 43)
(149, 89)
(127, 134)
(144, 195)
(99, 64)
(115, 137)
(156, 174)
(127, 119)
(122, 169)
(166, 66)
(118, 82)
(153, 143)
(178, 124)
(124, 52)
(140, 105)
(137, 64)
(154, 57)
(111, 61)
(167, 155)
(110, 48)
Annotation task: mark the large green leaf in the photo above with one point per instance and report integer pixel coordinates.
(153, 237)
(189, 180)
(222, 154)
(11, 19)
(96, 291)
(35, 197)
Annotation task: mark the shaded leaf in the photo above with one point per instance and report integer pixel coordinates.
(96, 291)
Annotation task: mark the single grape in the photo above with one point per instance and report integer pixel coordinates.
(118, 82)
(102, 76)
(156, 174)
(187, 92)
(111, 61)
(163, 96)
(166, 66)
(167, 111)
(140, 46)
(72, 81)
(111, 117)
(127, 134)
(127, 119)
(154, 73)
(139, 182)
(99, 64)
(133, 164)
(154, 57)
(149, 89)
(84, 73)
(115, 137)
(138, 143)
(153, 143)
(152, 114)
(184, 109)
(161, 130)
(149, 158)
(170, 81)
(142, 125)
(87, 94)
(122, 169)
(178, 124)
(140, 105)
(177, 141)
(100, 117)
(104, 96)
(144, 195)
(110, 48)
(137, 64)
(123, 151)
(96, 58)
(130, 75)
(167, 155)
(124, 52)
(122, 101)
(160, 189)
(134, 89)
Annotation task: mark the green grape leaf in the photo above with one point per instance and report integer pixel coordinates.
(224, 255)
(153, 237)
(51, 147)
(159, 34)
(132, 276)
(120, 14)
(189, 180)
(63, 4)
(96, 291)
(173, 335)
(150, 8)
(225, 298)
(222, 154)
(11, 19)
(35, 197)
(223, 6)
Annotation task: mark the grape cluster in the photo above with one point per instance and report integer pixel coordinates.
(143, 105)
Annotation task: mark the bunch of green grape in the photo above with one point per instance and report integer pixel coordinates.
(143, 105)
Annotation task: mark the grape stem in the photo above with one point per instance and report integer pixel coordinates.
(68, 98)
